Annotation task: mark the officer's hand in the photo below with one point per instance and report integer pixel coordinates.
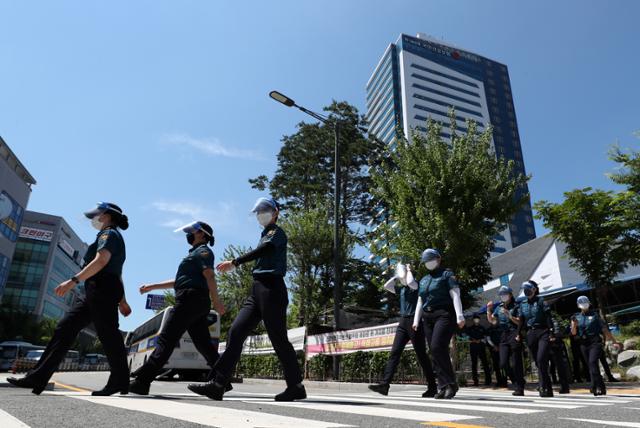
(226, 266)
(125, 309)
(461, 324)
(490, 304)
(145, 288)
(64, 288)
(518, 338)
(219, 307)
(552, 338)
(414, 327)
(495, 348)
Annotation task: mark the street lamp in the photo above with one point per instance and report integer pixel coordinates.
(337, 267)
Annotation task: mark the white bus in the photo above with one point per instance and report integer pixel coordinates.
(12, 350)
(185, 361)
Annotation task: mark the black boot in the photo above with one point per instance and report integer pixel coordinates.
(139, 387)
(212, 389)
(450, 391)
(440, 394)
(430, 392)
(110, 390)
(292, 393)
(380, 388)
(24, 382)
(564, 390)
(518, 393)
(546, 393)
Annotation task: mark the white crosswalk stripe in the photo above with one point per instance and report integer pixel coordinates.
(407, 405)
(8, 421)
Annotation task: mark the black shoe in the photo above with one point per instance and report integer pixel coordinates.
(564, 390)
(213, 390)
(440, 394)
(139, 387)
(228, 388)
(546, 393)
(430, 392)
(21, 382)
(292, 393)
(380, 388)
(450, 391)
(518, 393)
(476, 383)
(110, 390)
(38, 389)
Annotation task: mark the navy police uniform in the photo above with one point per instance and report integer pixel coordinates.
(495, 334)
(510, 348)
(268, 302)
(589, 332)
(189, 314)
(439, 321)
(536, 319)
(103, 293)
(404, 334)
(477, 349)
(559, 358)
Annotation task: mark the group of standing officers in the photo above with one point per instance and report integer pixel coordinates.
(430, 311)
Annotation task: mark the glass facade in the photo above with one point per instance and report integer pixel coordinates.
(10, 226)
(26, 273)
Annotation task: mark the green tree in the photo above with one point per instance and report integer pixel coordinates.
(452, 195)
(591, 223)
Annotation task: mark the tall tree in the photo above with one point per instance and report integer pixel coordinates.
(452, 195)
(591, 224)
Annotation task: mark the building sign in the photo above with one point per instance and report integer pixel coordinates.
(11, 214)
(441, 49)
(155, 301)
(377, 338)
(66, 247)
(37, 234)
(261, 344)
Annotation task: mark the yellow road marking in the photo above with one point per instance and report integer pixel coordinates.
(69, 387)
(452, 425)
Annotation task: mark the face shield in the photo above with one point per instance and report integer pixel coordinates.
(193, 227)
(100, 209)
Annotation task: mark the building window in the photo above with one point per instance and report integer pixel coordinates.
(443, 94)
(504, 280)
(10, 225)
(447, 105)
(438, 73)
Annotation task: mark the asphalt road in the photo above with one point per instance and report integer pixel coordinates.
(251, 404)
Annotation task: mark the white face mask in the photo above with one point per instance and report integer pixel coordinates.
(96, 223)
(432, 264)
(583, 306)
(504, 298)
(476, 321)
(264, 218)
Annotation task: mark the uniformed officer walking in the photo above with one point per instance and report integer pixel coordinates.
(439, 307)
(195, 288)
(535, 315)
(404, 285)
(589, 327)
(559, 357)
(477, 338)
(104, 295)
(494, 333)
(268, 302)
(503, 316)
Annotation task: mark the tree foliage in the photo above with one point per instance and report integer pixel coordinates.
(454, 195)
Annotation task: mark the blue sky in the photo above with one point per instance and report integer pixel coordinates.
(162, 106)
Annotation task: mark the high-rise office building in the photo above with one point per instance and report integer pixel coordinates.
(15, 190)
(419, 78)
(47, 253)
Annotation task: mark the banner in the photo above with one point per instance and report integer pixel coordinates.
(376, 338)
(37, 234)
(155, 301)
(256, 345)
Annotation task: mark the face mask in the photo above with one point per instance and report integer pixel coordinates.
(476, 321)
(504, 299)
(528, 292)
(264, 218)
(190, 238)
(96, 223)
(432, 264)
(583, 306)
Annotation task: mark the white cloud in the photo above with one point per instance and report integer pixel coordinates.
(210, 146)
(179, 213)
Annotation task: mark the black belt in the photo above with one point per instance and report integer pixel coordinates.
(432, 308)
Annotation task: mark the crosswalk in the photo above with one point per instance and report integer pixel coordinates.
(470, 408)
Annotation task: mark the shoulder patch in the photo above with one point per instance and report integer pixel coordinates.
(204, 253)
(271, 232)
(104, 236)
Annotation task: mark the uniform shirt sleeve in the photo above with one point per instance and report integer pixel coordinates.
(452, 281)
(276, 237)
(108, 240)
(205, 258)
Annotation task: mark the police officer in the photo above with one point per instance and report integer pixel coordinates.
(535, 315)
(195, 288)
(439, 307)
(477, 337)
(559, 356)
(268, 303)
(104, 295)
(589, 327)
(494, 334)
(504, 317)
(407, 289)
